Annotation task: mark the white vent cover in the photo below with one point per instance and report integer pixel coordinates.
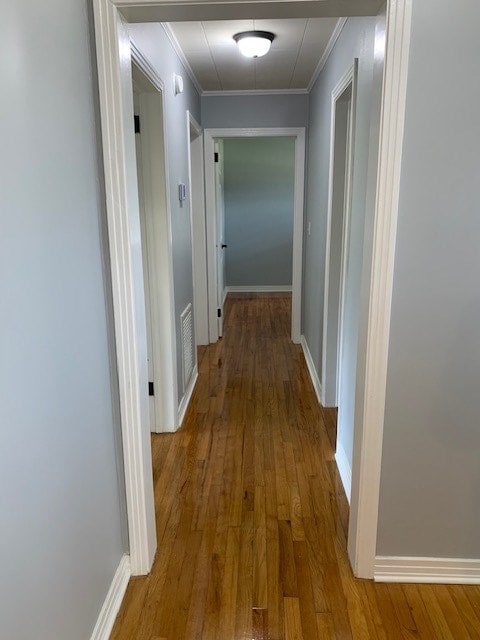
(187, 344)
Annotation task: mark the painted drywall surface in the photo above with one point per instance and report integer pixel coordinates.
(60, 534)
(355, 41)
(152, 40)
(430, 482)
(259, 206)
(282, 110)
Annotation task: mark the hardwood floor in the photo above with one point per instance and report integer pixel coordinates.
(252, 517)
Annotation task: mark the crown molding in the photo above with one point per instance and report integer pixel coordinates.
(178, 50)
(326, 54)
(255, 92)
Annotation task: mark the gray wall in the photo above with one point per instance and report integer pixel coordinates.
(61, 519)
(430, 479)
(356, 41)
(282, 110)
(259, 204)
(152, 41)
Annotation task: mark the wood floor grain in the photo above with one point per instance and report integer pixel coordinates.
(252, 517)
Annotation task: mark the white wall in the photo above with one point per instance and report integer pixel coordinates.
(61, 531)
(430, 483)
(357, 40)
(152, 40)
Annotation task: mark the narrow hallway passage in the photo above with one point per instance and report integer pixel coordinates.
(252, 517)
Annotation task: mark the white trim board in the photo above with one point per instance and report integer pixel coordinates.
(114, 73)
(210, 135)
(330, 396)
(113, 601)
(156, 241)
(344, 469)
(187, 396)
(196, 194)
(317, 385)
(426, 570)
(224, 297)
(368, 436)
(116, 110)
(268, 288)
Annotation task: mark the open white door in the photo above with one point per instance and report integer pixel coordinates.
(338, 235)
(156, 252)
(220, 232)
(146, 270)
(199, 233)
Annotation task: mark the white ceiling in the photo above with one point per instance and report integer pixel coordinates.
(218, 65)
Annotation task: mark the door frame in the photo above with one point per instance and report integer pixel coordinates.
(156, 245)
(349, 78)
(261, 132)
(217, 254)
(113, 61)
(198, 232)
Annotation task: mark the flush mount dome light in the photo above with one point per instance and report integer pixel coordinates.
(254, 44)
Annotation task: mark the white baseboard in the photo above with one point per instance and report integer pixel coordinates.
(263, 288)
(344, 469)
(426, 570)
(187, 396)
(111, 605)
(317, 385)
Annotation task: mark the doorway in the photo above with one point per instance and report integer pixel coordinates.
(155, 249)
(197, 222)
(338, 234)
(216, 244)
(219, 221)
(113, 58)
(342, 136)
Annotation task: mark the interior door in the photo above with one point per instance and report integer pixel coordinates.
(220, 232)
(146, 269)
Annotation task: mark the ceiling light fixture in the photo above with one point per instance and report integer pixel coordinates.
(254, 44)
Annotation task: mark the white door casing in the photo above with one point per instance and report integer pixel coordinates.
(114, 78)
(148, 306)
(342, 137)
(220, 233)
(199, 238)
(210, 138)
(156, 247)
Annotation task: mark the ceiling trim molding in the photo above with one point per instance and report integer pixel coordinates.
(178, 50)
(326, 54)
(255, 92)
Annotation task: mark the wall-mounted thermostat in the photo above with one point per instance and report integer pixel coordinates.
(182, 192)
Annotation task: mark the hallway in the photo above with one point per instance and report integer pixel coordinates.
(252, 517)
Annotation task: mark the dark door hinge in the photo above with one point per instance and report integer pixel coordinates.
(136, 120)
(151, 391)
(215, 156)
(219, 313)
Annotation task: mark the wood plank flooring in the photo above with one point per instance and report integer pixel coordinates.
(252, 518)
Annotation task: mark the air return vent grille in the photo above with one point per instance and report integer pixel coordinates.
(187, 344)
